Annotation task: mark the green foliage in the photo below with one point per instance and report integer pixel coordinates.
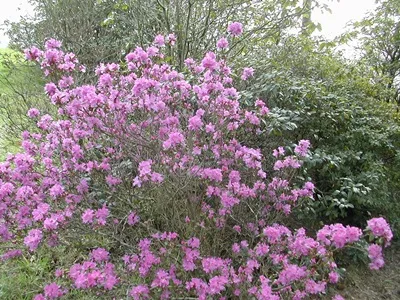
(105, 30)
(355, 137)
(379, 33)
(21, 87)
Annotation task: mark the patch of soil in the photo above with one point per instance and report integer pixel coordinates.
(363, 284)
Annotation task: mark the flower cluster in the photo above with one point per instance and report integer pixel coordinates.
(380, 229)
(97, 272)
(338, 235)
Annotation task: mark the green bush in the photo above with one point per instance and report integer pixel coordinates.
(355, 137)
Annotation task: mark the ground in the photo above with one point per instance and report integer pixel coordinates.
(362, 284)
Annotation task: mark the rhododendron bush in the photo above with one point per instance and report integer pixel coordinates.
(162, 166)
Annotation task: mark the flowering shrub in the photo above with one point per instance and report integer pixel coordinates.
(157, 162)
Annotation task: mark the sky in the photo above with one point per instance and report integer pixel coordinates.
(12, 10)
(342, 12)
(332, 24)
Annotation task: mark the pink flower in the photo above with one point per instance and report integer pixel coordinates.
(313, 287)
(137, 182)
(32, 53)
(83, 187)
(110, 281)
(195, 123)
(87, 216)
(65, 82)
(380, 228)
(235, 248)
(50, 223)
(101, 215)
(59, 273)
(161, 279)
(156, 177)
(10, 254)
(105, 80)
(33, 113)
(210, 128)
(133, 218)
(52, 44)
(33, 239)
(222, 43)
(309, 186)
(353, 234)
(171, 39)
(291, 273)
(145, 168)
(112, 181)
(100, 255)
(302, 148)
(213, 174)
(278, 152)
(56, 190)
(247, 72)
(159, 40)
(339, 237)
(252, 118)
(235, 28)
(174, 139)
(333, 277)
(244, 244)
(376, 256)
(262, 249)
(193, 243)
(273, 233)
(217, 285)
(52, 291)
(209, 61)
(40, 211)
(237, 228)
(140, 292)
(211, 264)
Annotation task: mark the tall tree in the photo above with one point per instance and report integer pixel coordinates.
(105, 30)
(380, 35)
(306, 20)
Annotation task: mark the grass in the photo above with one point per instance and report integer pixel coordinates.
(8, 56)
(23, 278)
(21, 86)
(5, 147)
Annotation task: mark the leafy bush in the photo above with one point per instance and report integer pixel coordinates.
(157, 167)
(355, 136)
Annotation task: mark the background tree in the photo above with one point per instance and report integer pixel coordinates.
(379, 32)
(315, 93)
(99, 31)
